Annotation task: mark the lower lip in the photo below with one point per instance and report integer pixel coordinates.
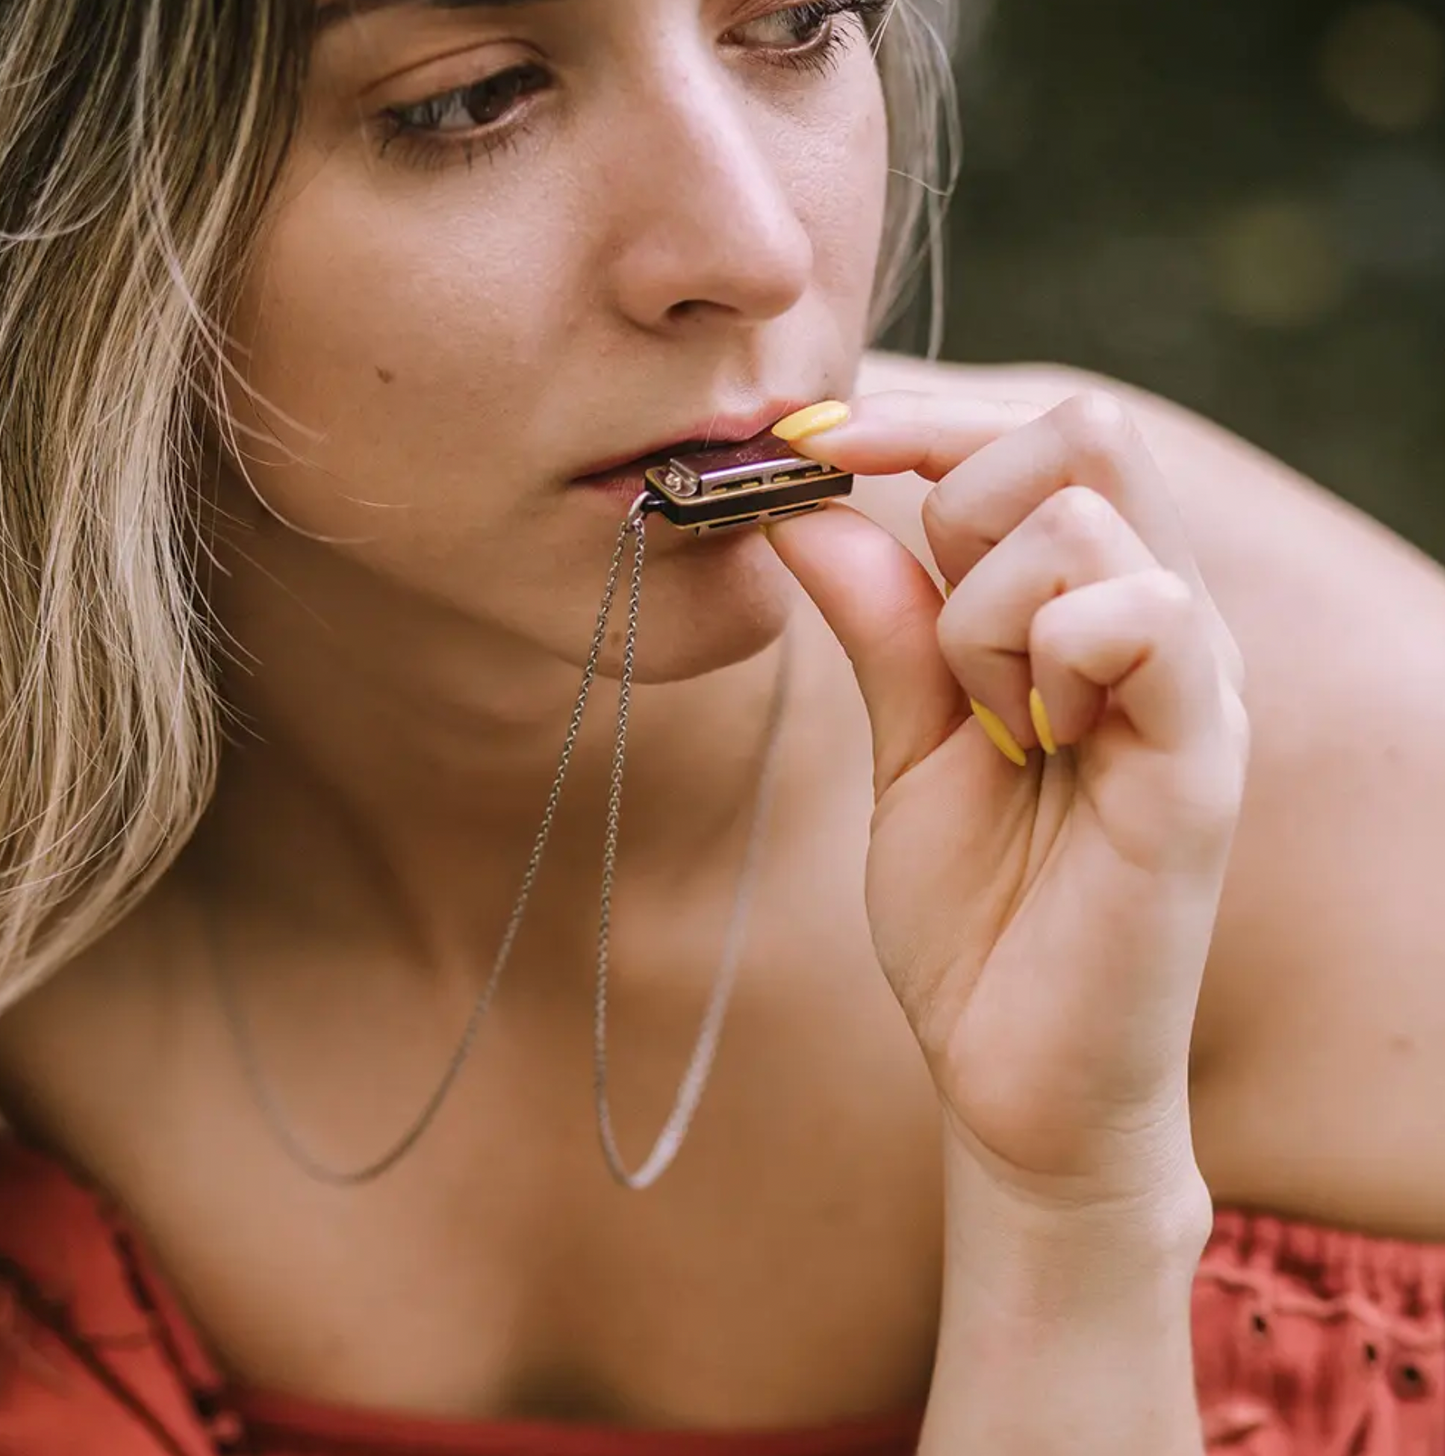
(615, 491)
(627, 483)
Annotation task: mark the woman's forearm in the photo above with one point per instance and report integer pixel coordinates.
(1065, 1334)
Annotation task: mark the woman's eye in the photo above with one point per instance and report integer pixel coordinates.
(813, 33)
(795, 28)
(470, 108)
(492, 113)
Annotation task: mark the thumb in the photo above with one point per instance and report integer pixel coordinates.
(883, 607)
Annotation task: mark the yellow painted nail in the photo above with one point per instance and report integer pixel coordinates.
(827, 415)
(998, 734)
(1042, 726)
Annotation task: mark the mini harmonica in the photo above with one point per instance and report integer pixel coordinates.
(733, 485)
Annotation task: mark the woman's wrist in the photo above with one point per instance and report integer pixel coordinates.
(1066, 1329)
(1059, 1246)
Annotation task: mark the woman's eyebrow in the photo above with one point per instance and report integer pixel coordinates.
(338, 10)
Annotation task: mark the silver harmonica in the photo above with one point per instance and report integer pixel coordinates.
(733, 485)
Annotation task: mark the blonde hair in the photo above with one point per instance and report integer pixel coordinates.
(139, 143)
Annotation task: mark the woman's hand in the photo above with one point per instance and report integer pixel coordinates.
(1043, 917)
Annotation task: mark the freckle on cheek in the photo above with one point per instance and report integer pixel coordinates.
(385, 375)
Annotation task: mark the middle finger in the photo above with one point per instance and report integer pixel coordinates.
(1089, 441)
(1074, 539)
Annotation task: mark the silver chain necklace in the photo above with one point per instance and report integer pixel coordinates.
(694, 1079)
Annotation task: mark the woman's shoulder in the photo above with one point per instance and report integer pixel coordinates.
(1318, 1081)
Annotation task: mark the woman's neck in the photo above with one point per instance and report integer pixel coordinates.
(397, 777)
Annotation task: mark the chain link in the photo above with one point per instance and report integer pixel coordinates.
(695, 1078)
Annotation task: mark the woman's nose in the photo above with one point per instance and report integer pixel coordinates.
(702, 209)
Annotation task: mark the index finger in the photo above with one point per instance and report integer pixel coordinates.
(904, 429)
(1029, 454)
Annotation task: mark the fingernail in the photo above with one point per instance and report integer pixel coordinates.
(998, 734)
(827, 415)
(1042, 726)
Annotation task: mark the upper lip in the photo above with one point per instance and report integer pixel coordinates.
(718, 429)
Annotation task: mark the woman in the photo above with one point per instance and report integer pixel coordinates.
(335, 336)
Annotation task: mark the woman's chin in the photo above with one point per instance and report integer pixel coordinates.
(709, 609)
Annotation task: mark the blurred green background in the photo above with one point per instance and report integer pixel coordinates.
(1237, 203)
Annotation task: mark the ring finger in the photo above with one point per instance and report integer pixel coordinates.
(1073, 539)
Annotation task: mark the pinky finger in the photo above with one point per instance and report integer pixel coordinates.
(1142, 642)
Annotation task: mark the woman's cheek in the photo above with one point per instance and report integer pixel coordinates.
(382, 343)
(846, 190)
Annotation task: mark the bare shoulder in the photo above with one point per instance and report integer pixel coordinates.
(1319, 1082)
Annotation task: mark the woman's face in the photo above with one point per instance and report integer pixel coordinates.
(516, 242)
